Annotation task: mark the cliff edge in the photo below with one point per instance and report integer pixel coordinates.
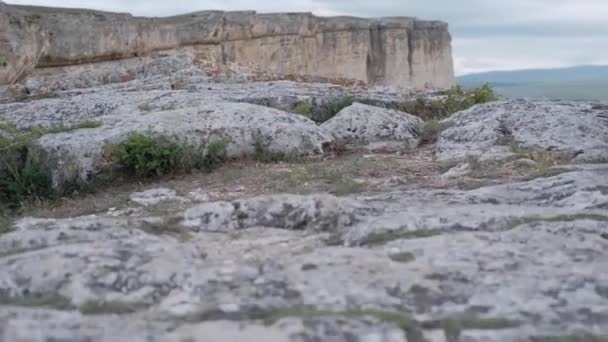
(400, 51)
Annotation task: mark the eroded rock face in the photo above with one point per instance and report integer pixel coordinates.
(363, 124)
(491, 130)
(402, 52)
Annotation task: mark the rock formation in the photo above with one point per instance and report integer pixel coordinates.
(404, 52)
(497, 230)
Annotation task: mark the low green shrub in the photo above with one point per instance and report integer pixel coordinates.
(459, 99)
(331, 107)
(151, 154)
(454, 100)
(215, 156)
(22, 178)
(27, 183)
(148, 155)
(263, 155)
(430, 132)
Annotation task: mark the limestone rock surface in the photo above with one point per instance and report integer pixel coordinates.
(387, 267)
(491, 130)
(364, 124)
(354, 244)
(402, 51)
(241, 126)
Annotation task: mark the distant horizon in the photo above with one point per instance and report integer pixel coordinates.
(533, 69)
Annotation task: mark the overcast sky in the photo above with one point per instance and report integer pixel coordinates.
(488, 34)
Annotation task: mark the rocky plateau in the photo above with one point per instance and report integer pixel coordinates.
(495, 230)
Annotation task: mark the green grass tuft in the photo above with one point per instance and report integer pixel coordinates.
(215, 156)
(263, 155)
(28, 183)
(331, 107)
(305, 108)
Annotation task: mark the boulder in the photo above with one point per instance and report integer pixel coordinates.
(364, 124)
(491, 130)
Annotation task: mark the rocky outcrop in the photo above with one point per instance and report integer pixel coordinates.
(494, 130)
(403, 51)
(359, 245)
(364, 124)
(241, 126)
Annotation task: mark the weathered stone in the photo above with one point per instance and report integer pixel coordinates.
(490, 130)
(363, 124)
(499, 259)
(79, 154)
(462, 169)
(413, 258)
(318, 213)
(390, 51)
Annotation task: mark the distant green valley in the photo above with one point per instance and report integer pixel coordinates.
(581, 82)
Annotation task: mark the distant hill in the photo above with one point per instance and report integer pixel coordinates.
(581, 82)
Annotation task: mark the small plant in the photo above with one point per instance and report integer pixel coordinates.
(262, 154)
(430, 132)
(22, 178)
(305, 108)
(148, 155)
(331, 107)
(3, 61)
(27, 183)
(215, 156)
(459, 99)
(151, 154)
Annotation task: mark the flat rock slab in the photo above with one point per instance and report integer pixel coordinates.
(507, 262)
(490, 130)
